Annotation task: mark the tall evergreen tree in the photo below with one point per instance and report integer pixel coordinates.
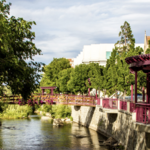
(126, 38)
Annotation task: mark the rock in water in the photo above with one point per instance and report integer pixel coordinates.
(57, 122)
(110, 141)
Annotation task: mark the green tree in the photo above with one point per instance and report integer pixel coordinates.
(126, 38)
(52, 70)
(63, 78)
(111, 74)
(16, 47)
(96, 76)
(79, 77)
(125, 78)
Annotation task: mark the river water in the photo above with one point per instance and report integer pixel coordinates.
(35, 134)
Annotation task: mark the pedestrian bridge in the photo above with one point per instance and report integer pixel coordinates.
(140, 111)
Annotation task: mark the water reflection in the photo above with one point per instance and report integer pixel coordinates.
(36, 135)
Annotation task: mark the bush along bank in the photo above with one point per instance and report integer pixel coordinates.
(8, 111)
(60, 114)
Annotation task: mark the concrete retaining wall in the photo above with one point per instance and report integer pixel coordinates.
(119, 125)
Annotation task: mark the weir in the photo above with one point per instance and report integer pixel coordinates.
(120, 125)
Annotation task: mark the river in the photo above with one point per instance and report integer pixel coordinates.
(35, 134)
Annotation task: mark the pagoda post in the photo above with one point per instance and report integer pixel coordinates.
(96, 94)
(51, 91)
(135, 95)
(43, 91)
(143, 93)
(147, 96)
(132, 92)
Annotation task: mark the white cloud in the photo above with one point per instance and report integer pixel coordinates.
(63, 27)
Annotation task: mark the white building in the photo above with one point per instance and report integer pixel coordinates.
(98, 53)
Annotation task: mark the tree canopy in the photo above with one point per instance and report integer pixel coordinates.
(52, 70)
(16, 47)
(63, 78)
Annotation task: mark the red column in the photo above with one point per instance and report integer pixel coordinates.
(143, 93)
(131, 92)
(89, 91)
(43, 91)
(96, 94)
(135, 87)
(51, 91)
(147, 96)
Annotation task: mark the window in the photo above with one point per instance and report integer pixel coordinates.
(108, 54)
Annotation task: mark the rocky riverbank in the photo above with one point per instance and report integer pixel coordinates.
(56, 121)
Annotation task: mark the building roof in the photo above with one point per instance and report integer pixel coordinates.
(71, 60)
(147, 39)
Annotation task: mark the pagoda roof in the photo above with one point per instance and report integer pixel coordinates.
(139, 62)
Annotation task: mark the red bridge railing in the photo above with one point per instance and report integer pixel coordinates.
(143, 114)
(142, 110)
(110, 103)
(123, 105)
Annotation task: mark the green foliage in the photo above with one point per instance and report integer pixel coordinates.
(36, 107)
(148, 49)
(51, 72)
(15, 111)
(71, 118)
(96, 75)
(79, 76)
(16, 47)
(63, 78)
(61, 111)
(126, 38)
(57, 111)
(46, 108)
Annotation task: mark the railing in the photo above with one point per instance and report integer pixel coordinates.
(132, 106)
(77, 100)
(10, 99)
(123, 105)
(143, 114)
(110, 103)
(98, 101)
(142, 110)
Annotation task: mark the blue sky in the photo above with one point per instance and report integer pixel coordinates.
(65, 26)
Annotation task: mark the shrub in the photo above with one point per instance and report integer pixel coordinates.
(15, 111)
(61, 111)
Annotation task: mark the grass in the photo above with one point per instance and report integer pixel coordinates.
(15, 111)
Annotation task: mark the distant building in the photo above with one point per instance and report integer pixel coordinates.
(97, 53)
(71, 60)
(146, 39)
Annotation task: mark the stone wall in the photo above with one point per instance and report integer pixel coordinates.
(119, 125)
